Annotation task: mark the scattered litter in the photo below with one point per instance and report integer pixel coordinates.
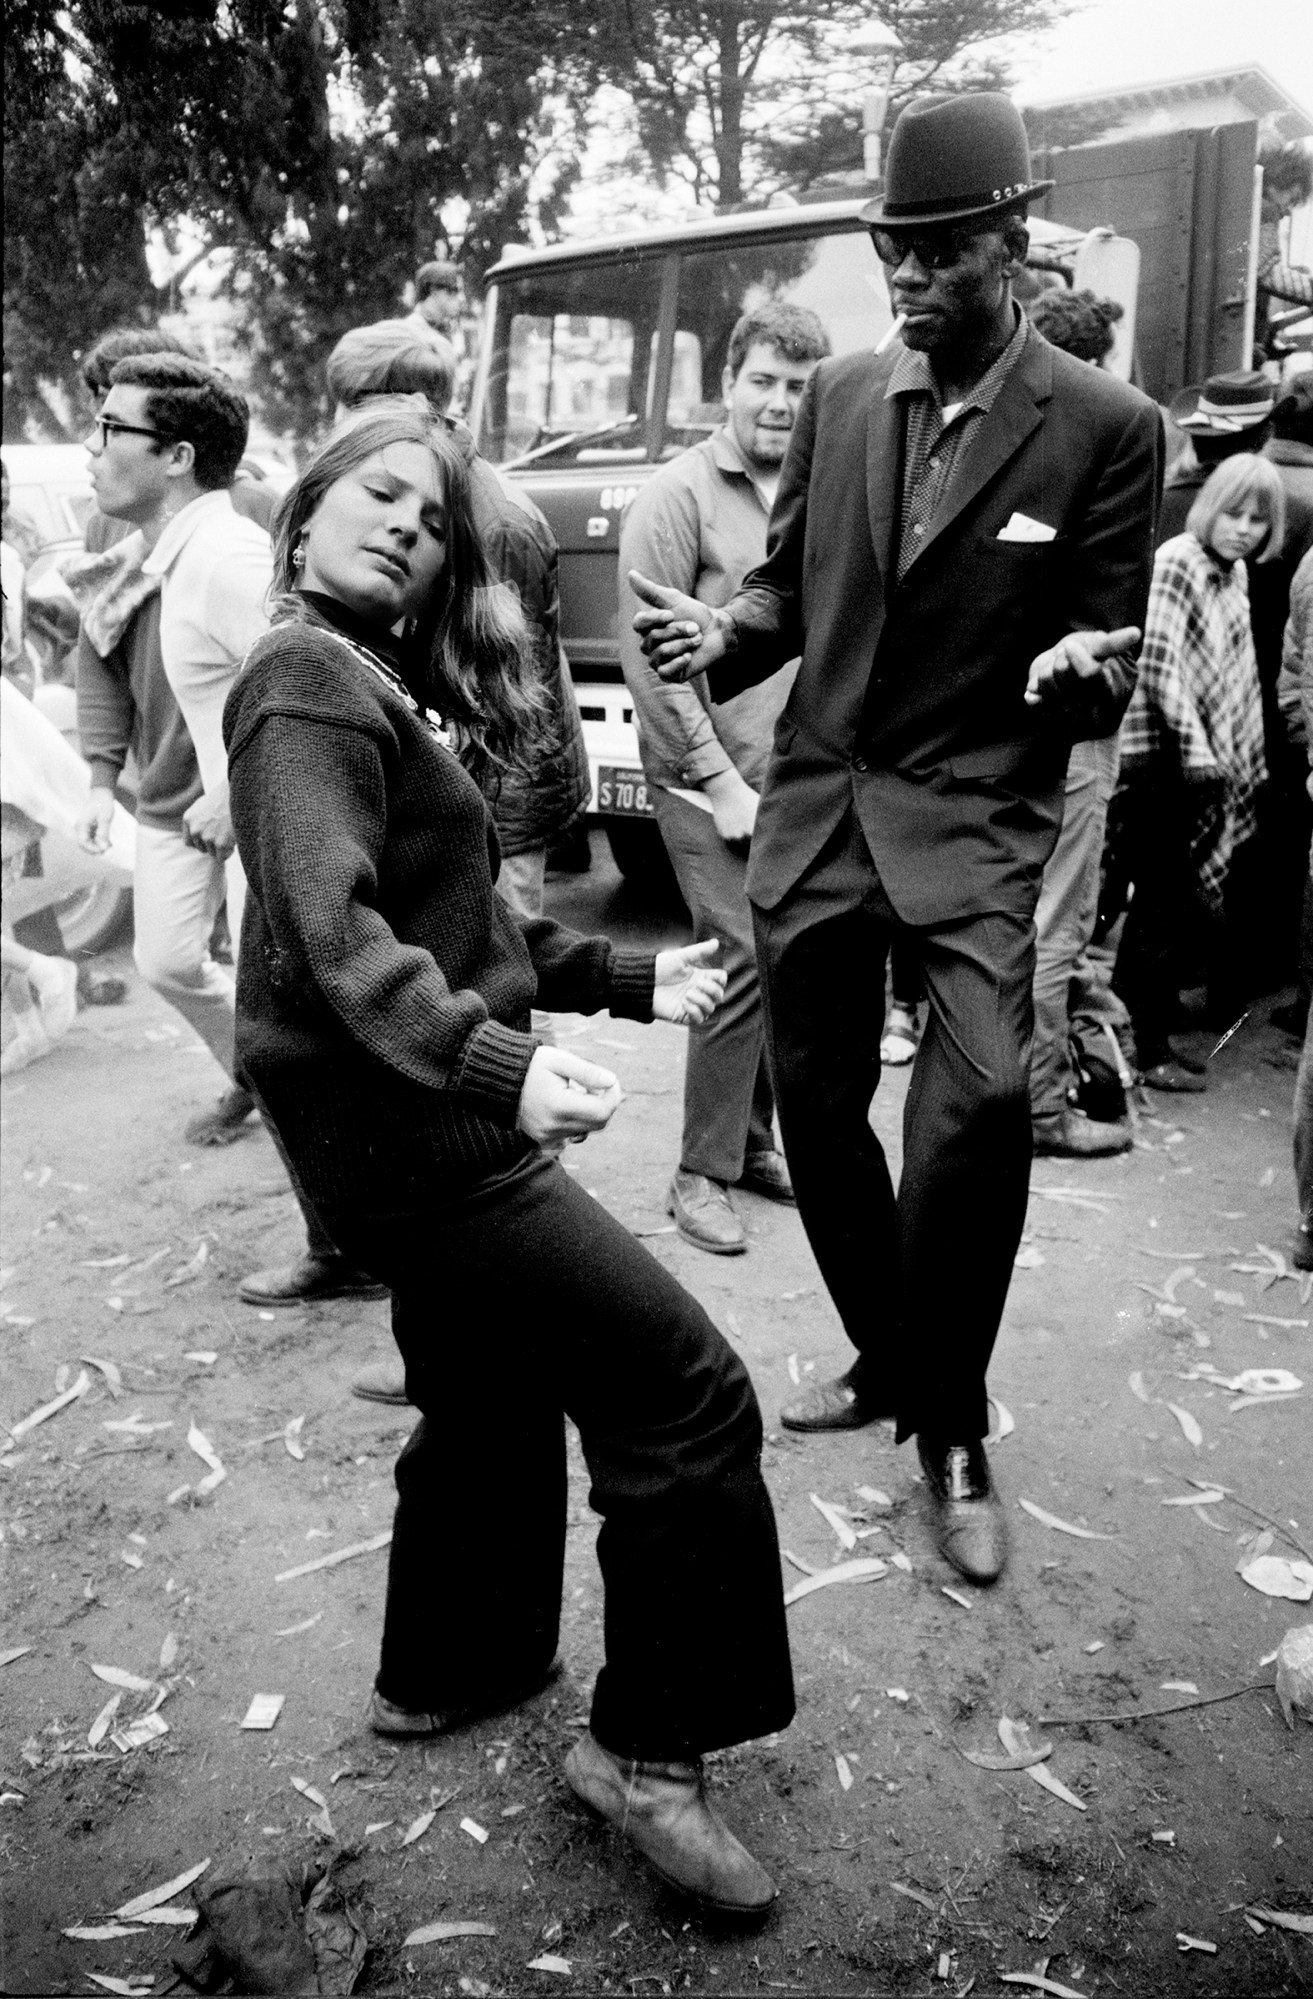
(1282, 1919)
(475, 1830)
(147, 1728)
(263, 1711)
(155, 1898)
(873, 1496)
(956, 1596)
(340, 1555)
(292, 1439)
(106, 1262)
(549, 1963)
(1209, 1498)
(131, 1683)
(1274, 1575)
(868, 1569)
(794, 1375)
(204, 1449)
(835, 1520)
(914, 1895)
(897, 1694)
(417, 1828)
(1189, 1428)
(1138, 1390)
(132, 1987)
(168, 1651)
(183, 1918)
(1015, 1737)
(99, 1728)
(135, 1426)
(187, 1272)
(1019, 1759)
(379, 1825)
(1184, 1942)
(206, 1359)
(1028, 1257)
(48, 1409)
(1153, 1713)
(1229, 1298)
(308, 1790)
(1096, 1645)
(179, 1492)
(944, 1966)
(1006, 1421)
(294, 1630)
(1039, 1984)
(1062, 1526)
(113, 1379)
(1263, 1319)
(1263, 1381)
(133, 1560)
(1165, 1837)
(901, 1561)
(443, 1932)
(8, 1657)
(102, 1932)
(845, 1773)
(1294, 1662)
(806, 1568)
(1177, 1687)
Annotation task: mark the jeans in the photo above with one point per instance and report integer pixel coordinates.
(513, 1308)
(1064, 921)
(729, 1109)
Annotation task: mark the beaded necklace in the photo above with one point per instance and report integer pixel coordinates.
(392, 680)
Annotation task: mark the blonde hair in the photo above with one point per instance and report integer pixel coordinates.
(1240, 478)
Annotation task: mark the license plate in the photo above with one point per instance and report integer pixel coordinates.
(623, 793)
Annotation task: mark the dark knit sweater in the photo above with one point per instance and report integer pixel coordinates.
(384, 990)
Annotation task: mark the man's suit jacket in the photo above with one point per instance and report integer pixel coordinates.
(908, 703)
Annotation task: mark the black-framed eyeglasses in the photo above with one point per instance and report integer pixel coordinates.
(934, 250)
(104, 425)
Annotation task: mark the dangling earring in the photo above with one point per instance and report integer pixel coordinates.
(298, 553)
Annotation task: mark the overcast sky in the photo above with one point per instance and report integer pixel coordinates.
(1110, 42)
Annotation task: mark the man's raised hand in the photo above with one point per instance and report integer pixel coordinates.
(679, 635)
(1067, 668)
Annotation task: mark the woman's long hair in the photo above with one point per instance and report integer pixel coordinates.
(469, 654)
(1242, 478)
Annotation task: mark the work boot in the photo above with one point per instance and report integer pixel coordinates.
(662, 1809)
(767, 1173)
(704, 1214)
(308, 1281)
(1072, 1135)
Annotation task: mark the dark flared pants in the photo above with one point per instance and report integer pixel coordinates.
(513, 1308)
(919, 1278)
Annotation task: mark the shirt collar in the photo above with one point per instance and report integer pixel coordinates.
(728, 457)
(181, 529)
(913, 374)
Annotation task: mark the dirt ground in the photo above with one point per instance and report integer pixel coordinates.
(903, 1868)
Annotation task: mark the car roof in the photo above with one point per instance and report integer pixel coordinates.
(804, 219)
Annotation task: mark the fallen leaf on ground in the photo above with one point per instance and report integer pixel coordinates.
(1274, 1575)
(417, 1828)
(794, 1375)
(956, 1596)
(475, 1830)
(379, 1825)
(1096, 1645)
(132, 1987)
(341, 1555)
(901, 1561)
(155, 1897)
(868, 1569)
(132, 1683)
(309, 1791)
(1006, 1421)
(48, 1409)
(1209, 1498)
(1021, 1759)
(1177, 1687)
(1229, 1298)
(835, 1520)
(99, 1728)
(206, 1358)
(294, 1630)
(1184, 1942)
(182, 1918)
(1136, 1384)
(550, 1963)
(1062, 1526)
(205, 1450)
(292, 1439)
(914, 1895)
(443, 1932)
(873, 1496)
(804, 1568)
(113, 1379)
(845, 1773)
(1048, 1782)
(187, 1272)
(1264, 1319)
(1283, 1919)
(897, 1694)
(102, 1932)
(1038, 1984)
(8, 1657)
(1028, 1258)
(168, 1651)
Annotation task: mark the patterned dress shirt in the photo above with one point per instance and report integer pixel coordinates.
(933, 445)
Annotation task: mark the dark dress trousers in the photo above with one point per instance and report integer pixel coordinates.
(912, 793)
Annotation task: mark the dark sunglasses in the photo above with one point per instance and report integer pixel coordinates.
(105, 425)
(933, 252)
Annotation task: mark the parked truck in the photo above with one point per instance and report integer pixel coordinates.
(602, 360)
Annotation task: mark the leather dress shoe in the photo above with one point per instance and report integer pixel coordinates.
(662, 1809)
(384, 1382)
(831, 1405)
(308, 1280)
(970, 1530)
(386, 1718)
(229, 1119)
(767, 1173)
(1074, 1136)
(704, 1214)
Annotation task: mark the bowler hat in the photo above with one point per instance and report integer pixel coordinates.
(952, 157)
(1224, 404)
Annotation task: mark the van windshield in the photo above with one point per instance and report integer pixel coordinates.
(575, 365)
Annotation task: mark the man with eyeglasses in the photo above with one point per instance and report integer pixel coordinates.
(961, 547)
(166, 624)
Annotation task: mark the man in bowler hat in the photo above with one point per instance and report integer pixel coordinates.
(961, 549)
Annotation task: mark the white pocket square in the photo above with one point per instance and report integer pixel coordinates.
(1022, 528)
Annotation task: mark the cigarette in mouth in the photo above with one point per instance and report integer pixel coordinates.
(888, 339)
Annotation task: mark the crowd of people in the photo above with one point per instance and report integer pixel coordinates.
(881, 630)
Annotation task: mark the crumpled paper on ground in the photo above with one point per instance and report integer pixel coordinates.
(274, 1927)
(1295, 1673)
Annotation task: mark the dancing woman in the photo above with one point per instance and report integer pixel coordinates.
(384, 1021)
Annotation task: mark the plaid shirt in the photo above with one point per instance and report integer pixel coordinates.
(1196, 704)
(932, 448)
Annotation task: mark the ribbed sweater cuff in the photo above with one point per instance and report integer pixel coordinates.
(105, 773)
(492, 1075)
(633, 979)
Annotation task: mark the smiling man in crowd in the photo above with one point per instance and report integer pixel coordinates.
(700, 526)
(961, 547)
